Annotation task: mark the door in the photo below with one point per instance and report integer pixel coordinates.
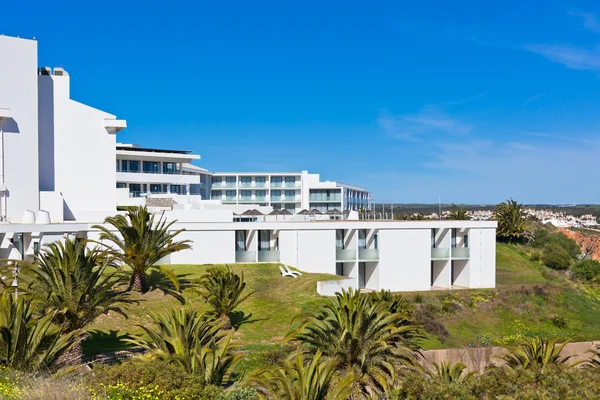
(361, 275)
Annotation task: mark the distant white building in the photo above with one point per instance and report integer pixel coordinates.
(62, 171)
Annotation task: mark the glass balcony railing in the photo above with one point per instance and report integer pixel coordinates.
(368, 254)
(345, 254)
(243, 256)
(320, 198)
(260, 185)
(290, 199)
(260, 198)
(286, 185)
(276, 198)
(461, 253)
(228, 198)
(245, 198)
(268, 256)
(245, 184)
(440, 253)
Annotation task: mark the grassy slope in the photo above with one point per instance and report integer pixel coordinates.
(518, 308)
(481, 317)
(266, 315)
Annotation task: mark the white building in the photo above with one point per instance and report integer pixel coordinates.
(60, 163)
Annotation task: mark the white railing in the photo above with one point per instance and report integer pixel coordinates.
(330, 288)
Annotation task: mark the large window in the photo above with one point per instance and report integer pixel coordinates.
(217, 194)
(246, 179)
(151, 167)
(339, 238)
(290, 194)
(362, 238)
(339, 269)
(230, 194)
(290, 179)
(230, 179)
(130, 166)
(260, 179)
(260, 193)
(264, 240)
(169, 168)
(246, 193)
(240, 240)
(121, 185)
(155, 188)
(176, 189)
(135, 189)
(275, 194)
(217, 179)
(276, 180)
(291, 208)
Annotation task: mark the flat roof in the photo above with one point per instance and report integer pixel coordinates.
(149, 150)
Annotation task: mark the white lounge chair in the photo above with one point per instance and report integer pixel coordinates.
(289, 271)
(286, 273)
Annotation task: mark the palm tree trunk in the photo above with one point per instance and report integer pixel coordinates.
(138, 282)
(226, 322)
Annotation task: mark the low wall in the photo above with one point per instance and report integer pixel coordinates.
(330, 288)
(477, 358)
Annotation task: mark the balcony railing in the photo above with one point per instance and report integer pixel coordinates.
(345, 254)
(226, 185)
(320, 198)
(288, 199)
(228, 198)
(368, 254)
(151, 172)
(245, 198)
(260, 198)
(461, 253)
(244, 256)
(288, 185)
(268, 256)
(440, 253)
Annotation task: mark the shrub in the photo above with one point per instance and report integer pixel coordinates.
(586, 269)
(173, 382)
(556, 257)
(427, 316)
(240, 393)
(544, 239)
(559, 322)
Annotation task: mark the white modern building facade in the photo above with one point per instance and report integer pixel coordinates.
(62, 170)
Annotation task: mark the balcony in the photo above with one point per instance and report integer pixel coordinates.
(345, 254)
(285, 185)
(461, 253)
(440, 253)
(368, 254)
(324, 199)
(243, 256)
(268, 256)
(245, 198)
(245, 185)
(154, 177)
(260, 198)
(229, 199)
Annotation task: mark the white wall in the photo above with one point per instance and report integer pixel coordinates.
(404, 259)
(77, 152)
(208, 247)
(316, 251)
(18, 92)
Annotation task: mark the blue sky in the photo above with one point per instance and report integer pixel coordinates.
(465, 100)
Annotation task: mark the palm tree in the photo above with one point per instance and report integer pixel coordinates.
(192, 341)
(593, 362)
(535, 353)
(458, 214)
(27, 343)
(141, 244)
(76, 285)
(364, 337)
(448, 372)
(223, 290)
(513, 224)
(295, 379)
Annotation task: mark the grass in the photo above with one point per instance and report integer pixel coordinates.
(261, 321)
(527, 299)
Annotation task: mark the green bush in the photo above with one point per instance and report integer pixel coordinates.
(544, 239)
(504, 383)
(240, 393)
(556, 257)
(171, 381)
(586, 269)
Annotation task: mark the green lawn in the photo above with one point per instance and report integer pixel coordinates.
(526, 301)
(262, 320)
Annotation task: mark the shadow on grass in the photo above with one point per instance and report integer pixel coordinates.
(239, 318)
(100, 341)
(158, 281)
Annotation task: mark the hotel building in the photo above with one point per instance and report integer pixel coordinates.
(46, 194)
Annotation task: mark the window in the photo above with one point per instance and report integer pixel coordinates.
(169, 168)
(216, 193)
(118, 165)
(217, 179)
(275, 193)
(260, 179)
(195, 189)
(466, 240)
(240, 240)
(260, 193)
(246, 179)
(121, 185)
(134, 189)
(144, 188)
(230, 179)
(130, 166)
(290, 193)
(339, 238)
(276, 179)
(291, 208)
(151, 167)
(362, 238)
(230, 194)
(290, 179)
(176, 189)
(264, 240)
(376, 241)
(155, 188)
(276, 206)
(433, 238)
(246, 193)
(339, 269)
(453, 238)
